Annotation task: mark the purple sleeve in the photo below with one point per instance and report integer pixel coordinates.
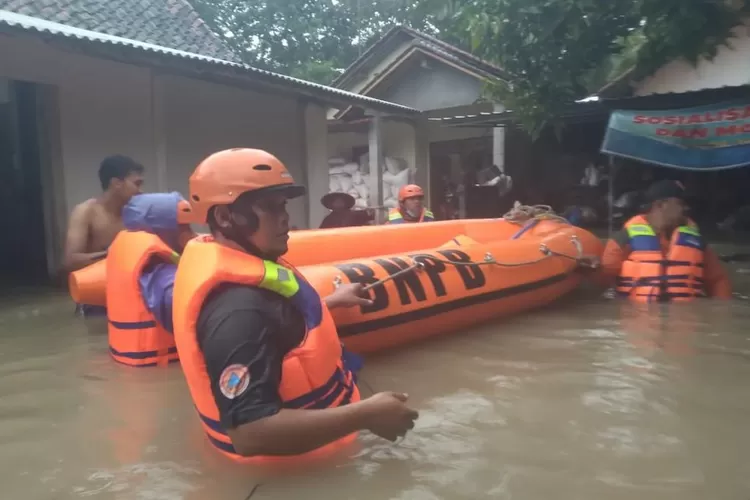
(157, 283)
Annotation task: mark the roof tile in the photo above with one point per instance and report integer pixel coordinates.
(169, 23)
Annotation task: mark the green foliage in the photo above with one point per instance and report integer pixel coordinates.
(314, 39)
(557, 50)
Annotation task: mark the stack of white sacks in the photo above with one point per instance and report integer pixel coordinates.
(354, 178)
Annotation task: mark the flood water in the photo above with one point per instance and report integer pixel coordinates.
(588, 399)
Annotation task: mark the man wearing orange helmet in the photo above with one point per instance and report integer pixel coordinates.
(410, 207)
(257, 344)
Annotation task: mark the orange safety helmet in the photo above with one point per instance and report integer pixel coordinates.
(222, 177)
(410, 191)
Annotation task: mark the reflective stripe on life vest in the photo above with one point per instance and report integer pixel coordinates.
(395, 217)
(135, 337)
(313, 375)
(648, 275)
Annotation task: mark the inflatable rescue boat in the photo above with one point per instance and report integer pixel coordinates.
(437, 283)
(424, 279)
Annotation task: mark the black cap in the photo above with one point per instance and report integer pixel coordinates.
(663, 190)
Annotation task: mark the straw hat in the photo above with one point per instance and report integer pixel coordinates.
(327, 200)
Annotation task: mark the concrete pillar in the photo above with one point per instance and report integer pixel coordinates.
(498, 142)
(315, 154)
(375, 147)
(422, 172)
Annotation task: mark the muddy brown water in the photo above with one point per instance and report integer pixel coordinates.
(588, 399)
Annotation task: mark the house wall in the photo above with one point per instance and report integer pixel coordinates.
(363, 77)
(202, 118)
(106, 107)
(435, 86)
(730, 67)
(428, 84)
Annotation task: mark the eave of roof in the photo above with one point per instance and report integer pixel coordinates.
(198, 66)
(597, 109)
(618, 86)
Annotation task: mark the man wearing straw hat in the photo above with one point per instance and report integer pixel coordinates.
(342, 215)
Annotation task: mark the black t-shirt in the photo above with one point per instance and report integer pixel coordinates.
(246, 330)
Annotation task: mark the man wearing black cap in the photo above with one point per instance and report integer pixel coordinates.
(660, 255)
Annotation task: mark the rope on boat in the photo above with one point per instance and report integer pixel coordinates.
(489, 260)
(520, 214)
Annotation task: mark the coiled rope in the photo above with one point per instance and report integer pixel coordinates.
(521, 214)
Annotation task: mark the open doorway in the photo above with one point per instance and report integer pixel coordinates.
(23, 252)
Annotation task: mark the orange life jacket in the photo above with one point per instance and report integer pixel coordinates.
(648, 275)
(396, 217)
(135, 337)
(313, 375)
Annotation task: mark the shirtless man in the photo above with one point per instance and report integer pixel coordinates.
(94, 223)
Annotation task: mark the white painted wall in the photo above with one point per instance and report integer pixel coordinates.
(730, 67)
(202, 118)
(106, 107)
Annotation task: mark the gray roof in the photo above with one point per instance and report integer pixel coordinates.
(184, 62)
(169, 23)
(400, 34)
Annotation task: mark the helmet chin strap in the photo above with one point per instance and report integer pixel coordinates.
(237, 234)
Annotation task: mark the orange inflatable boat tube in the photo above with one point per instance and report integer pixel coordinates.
(320, 246)
(316, 246)
(461, 283)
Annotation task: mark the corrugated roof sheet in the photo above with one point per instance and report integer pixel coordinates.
(124, 49)
(168, 23)
(602, 107)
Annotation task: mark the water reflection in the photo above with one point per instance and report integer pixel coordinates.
(587, 399)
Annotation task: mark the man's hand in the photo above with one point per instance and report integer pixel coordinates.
(388, 416)
(348, 295)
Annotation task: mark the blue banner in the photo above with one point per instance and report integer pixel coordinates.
(712, 137)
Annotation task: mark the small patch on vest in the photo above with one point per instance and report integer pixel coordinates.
(234, 380)
(692, 241)
(283, 274)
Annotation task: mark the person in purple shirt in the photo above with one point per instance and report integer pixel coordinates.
(156, 213)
